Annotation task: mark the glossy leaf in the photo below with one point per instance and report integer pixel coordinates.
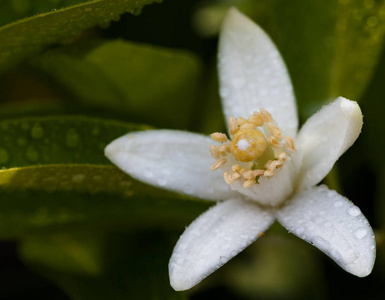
(149, 83)
(28, 36)
(55, 175)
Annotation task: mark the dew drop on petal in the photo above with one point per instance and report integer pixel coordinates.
(360, 233)
(223, 259)
(338, 203)
(354, 211)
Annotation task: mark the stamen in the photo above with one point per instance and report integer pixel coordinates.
(219, 163)
(256, 119)
(236, 168)
(227, 177)
(273, 141)
(233, 125)
(249, 183)
(235, 176)
(241, 121)
(290, 144)
(214, 152)
(219, 137)
(224, 148)
(250, 145)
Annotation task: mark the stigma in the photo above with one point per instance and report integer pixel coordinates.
(257, 148)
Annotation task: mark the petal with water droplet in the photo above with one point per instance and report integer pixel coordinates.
(252, 73)
(214, 238)
(347, 238)
(176, 160)
(326, 136)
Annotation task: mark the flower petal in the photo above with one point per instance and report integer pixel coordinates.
(252, 73)
(326, 136)
(176, 160)
(334, 225)
(214, 238)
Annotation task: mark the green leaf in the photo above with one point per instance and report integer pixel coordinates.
(330, 47)
(156, 85)
(12, 10)
(55, 175)
(117, 266)
(28, 36)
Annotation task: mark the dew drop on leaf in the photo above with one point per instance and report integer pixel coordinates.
(72, 138)
(37, 131)
(4, 156)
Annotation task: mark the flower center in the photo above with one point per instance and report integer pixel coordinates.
(258, 148)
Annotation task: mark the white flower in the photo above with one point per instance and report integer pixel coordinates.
(267, 172)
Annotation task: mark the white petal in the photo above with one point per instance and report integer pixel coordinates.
(252, 73)
(215, 237)
(326, 136)
(176, 160)
(334, 225)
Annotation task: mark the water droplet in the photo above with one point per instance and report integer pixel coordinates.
(354, 211)
(360, 233)
(4, 156)
(338, 203)
(37, 131)
(21, 141)
(223, 259)
(78, 178)
(72, 138)
(148, 174)
(32, 154)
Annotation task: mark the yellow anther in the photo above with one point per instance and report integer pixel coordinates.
(235, 176)
(249, 183)
(266, 116)
(289, 143)
(241, 121)
(273, 141)
(224, 148)
(275, 131)
(219, 163)
(248, 145)
(219, 137)
(233, 126)
(247, 126)
(214, 152)
(227, 177)
(236, 168)
(256, 119)
(268, 173)
(252, 174)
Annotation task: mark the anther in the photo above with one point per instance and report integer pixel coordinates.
(227, 177)
(219, 137)
(236, 168)
(256, 119)
(224, 148)
(289, 143)
(219, 163)
(233, 125)
(235, 176)
(214, 152)
(273, 141)
(249, 183)
(241, 121)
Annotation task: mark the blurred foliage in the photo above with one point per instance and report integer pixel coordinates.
(77, 74)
